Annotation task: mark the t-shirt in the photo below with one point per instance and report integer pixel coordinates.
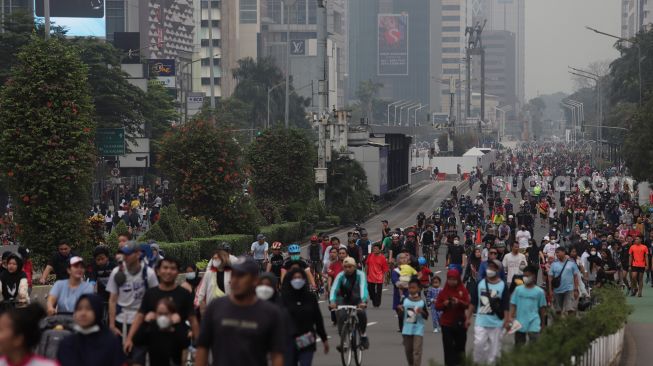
(242, 335)
(567, 277)
(259, 250)
(59, 265)
(522, 237)
(289, 263)
(67, 297)
(638, 254)
(456, 254)
(131, 293)
(550, 249)
(528, 302)
(413, 322)
(181, 297)
(484, 315)
(513, 264)
(100, 275)
(276, 261)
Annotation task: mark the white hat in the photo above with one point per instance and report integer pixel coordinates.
(74, 260)
(547, 238)
(349, 261)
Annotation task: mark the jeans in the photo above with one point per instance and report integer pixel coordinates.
(375, 289)
(487, 344)
(341, 315)
(453, 342)
(413, 349)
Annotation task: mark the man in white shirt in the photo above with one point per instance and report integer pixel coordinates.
(514, 262)
(523, 236)
(552, 213)
(550, 247)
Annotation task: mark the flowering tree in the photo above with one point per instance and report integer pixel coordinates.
(46, 144)
(204, 165)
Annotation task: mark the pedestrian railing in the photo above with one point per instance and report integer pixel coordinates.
(603, 351)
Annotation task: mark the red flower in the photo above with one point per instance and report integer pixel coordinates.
(49, 104)
(74, 110)
(87, 130)
(26, 199)
(10, 173)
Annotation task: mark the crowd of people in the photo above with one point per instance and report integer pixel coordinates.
(507, 267)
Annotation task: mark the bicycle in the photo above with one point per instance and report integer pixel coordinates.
(350, 337)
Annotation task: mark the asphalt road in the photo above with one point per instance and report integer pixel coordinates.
(385, 341)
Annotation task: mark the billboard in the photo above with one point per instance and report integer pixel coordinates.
(393, 44)
(81, 18)
(162, 70)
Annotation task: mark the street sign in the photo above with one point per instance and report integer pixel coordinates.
(115, 172)
(110, 141)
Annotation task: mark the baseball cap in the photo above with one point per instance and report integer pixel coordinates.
(76, 259)
(260, 237)
(349, 261)
(130, 247)
(244, 265)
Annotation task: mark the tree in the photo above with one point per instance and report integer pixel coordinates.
(281, 163)
(46, 144)
(205, 169)
(624, 71)
(367, 93)
(347, 194)
(637, 145)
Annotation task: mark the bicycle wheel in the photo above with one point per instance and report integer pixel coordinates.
(356, 345)
(346, 348)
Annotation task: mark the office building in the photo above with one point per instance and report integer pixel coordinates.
(300, 22)
(398, 44)
(636, 15)
(454, 21)
(8, 7)
(499, 67)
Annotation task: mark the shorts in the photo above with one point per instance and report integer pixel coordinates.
(543, 216)
(565, 302)
(634, 269)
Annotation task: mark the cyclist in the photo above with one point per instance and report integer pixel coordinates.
(276, 261)
(350, 288)
(421, 217)
(259, 251)
(295, 260)
(315, 254)
(428, 243)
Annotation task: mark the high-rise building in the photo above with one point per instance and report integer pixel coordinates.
(454, 22)
(397, 43)
(300, 21)
(499, 67)
(636, 15)
(9, 7)
(507, 15)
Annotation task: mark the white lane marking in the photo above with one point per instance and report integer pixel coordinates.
(436, 272)
(321, 301)
(385, 289)
(372, 323)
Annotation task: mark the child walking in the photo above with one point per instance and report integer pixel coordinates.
(415, 313)
(431, 294)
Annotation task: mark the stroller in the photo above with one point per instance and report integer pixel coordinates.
(55, 328)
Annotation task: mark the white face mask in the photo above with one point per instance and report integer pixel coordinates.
(86, 331)
(456, 242)
(528, 280)
(190, 276)
(264, 292)
(297, 283)
(216, 263)
(163, 321)
(491, 273)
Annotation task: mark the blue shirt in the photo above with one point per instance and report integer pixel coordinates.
(484, 315)
(413, 322)
(528, 302)
(567, 278)
(67, 297)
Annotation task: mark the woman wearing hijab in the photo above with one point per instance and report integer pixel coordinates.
(13, 282)
(216, 280)
(472, 270)
(306, 318)
(93, 343)
(454, 302)
(266, 289)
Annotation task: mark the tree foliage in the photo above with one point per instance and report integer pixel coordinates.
(636, 148)
(624, 71)
(281, 162)
(347, 194)
(46, 145)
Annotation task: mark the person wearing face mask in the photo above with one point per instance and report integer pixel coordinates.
(216, 280)
(456, 255)
(164, 334)
(192, 278)
(528, 308)
(266, 289)
(92, 343)
(306, 318)
(454, 303)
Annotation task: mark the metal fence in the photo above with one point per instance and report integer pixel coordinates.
(604, 351)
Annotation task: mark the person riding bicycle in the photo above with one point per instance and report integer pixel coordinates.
(350, 288)
(295, 260)
(276, 261)
(259, 251)
(315, 255)
(428, 243)
(421, 218)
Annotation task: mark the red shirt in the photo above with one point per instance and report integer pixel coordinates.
(425, 275)
(27, 268)
(377, 267)
(334, 269)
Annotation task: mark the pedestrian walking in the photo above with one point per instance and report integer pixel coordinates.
(563, 283)
(19, 335)
(528, 308)
(376, 267)
(415, 313)
(454, 303)
(216, 282)
(431, 295)
(491, 302)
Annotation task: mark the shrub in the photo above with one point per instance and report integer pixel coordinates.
(155, 233)
(186, 252)
(333, 220)
(289, 232)
(197, 228)
(172, 224)
(240, 244)
(315, 211)
(120, 229)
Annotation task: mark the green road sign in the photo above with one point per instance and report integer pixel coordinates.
(110, 141)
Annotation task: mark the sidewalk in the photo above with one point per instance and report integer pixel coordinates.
(637, 343)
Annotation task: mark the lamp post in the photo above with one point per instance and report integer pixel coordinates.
(639, 55)
(401, 108)
(287, 4)
(573, 119)
(181, 82)
(270, 89)
(415, 114)
(390, 105)
(412, 106)
(147, 164)
(599, 101)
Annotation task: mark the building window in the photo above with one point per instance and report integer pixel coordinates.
(450, 7)
(207, 81)
(451, 29)
(337, 22)
(205, 23)
(450, 50)
(216, 43)
(451, 61)
(312, 12)
(248, 11)
(207, 62)
(450, 72)
(215, 4)
(451, 18)
(451, 39)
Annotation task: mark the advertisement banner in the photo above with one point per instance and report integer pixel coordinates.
(161, 67)
(80, 18)
(393, 44)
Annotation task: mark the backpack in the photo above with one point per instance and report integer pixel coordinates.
(55, 329)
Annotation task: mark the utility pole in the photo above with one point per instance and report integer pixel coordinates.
(323, 98)
(211, 64)
(46, 14)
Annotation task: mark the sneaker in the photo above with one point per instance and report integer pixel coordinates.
(436, 330)
(365, 343)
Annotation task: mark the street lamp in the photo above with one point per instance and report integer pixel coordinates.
(287, 4)
(572, 108)
(599, 101)
(501, 128)
(147, 163)
(390, 105)
(270, 89)
(412, 106)
(181, 81)
(415, 115)
(401, 108)
(639, 55)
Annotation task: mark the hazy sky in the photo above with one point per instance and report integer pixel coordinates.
(556, 37)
